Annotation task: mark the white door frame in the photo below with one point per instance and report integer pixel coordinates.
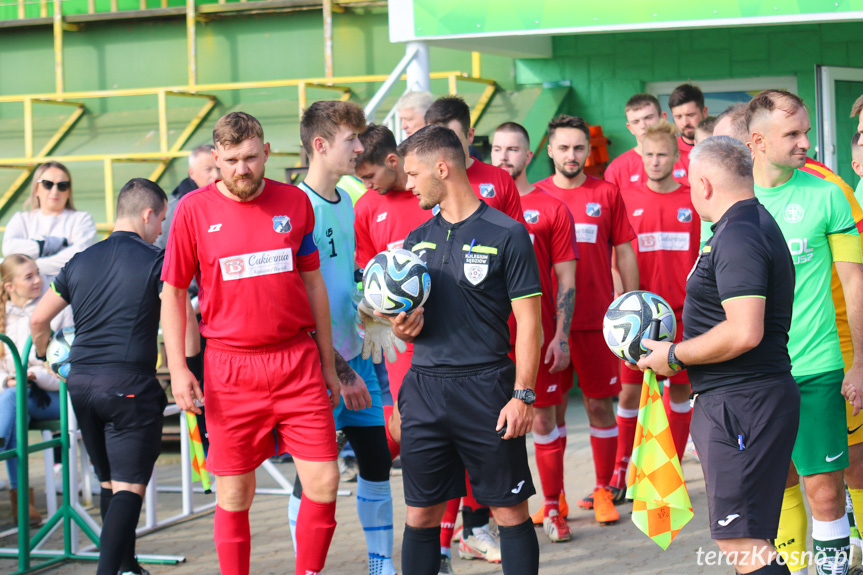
(825, 99)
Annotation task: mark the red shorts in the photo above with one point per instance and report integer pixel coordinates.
(632, 376)
(549, 386)
(597, 368)
(266, 401)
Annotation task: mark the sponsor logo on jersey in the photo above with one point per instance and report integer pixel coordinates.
(793, 213)
(586, 233)
(381, 217)
(281, 224)
(395, 245)
(634, 177)
(679, 173)
(531, 216)
(475, 267)
(684, 215)
(593, 210)
(663, 242)
(637, 213)
(256, 264)
(215, 228)
(486, 190)
(800, 250)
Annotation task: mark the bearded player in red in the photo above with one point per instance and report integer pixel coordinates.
(601, 228)
(552, 231)
(668, 235)
(249, 243)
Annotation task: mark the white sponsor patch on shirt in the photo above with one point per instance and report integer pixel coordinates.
(395, 245)
(257, 264)
(586, 233)
(663, 241)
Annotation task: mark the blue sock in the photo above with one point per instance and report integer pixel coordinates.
(375, 509)
(293, 512)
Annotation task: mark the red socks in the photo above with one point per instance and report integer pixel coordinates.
(316, 524)
(549, 461)
(679, 416)
(603, 442)
(447, 523)
(233, 541)
(627, 419)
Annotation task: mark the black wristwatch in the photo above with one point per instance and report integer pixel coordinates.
(45, 358)
(526, 395)
(673, 362)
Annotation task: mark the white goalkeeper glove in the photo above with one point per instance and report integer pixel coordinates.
(379, 340)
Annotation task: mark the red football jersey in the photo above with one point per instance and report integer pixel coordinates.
(684, 155)
(246, 258)
(383, 221)
(600, 224)
(496, 188)
(627, 170)
(668, 233)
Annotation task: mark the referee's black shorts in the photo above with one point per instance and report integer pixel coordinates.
(120, 411)
(744, 438)
(448, 424)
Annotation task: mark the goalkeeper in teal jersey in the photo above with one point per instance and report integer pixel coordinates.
(329, 131)
(816, 220)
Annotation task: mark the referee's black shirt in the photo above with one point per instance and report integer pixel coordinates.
(113, 288)
(746, 257)
(472, 287)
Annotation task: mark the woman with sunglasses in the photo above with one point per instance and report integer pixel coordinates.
(50, 230)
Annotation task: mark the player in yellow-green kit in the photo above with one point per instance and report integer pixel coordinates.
(816, 220)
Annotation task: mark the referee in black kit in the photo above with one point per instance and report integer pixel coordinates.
(463, 402)
(736, 316)
(113, 288)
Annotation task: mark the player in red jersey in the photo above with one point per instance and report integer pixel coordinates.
(668, 233)
(249, 243)
(385, 215)
(600, 227)
(627, 169)
(551, 229)
(687, 107)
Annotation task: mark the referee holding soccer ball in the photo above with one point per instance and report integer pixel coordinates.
(737, 315)
(463, 402)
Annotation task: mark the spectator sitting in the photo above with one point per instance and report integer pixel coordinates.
(202, 172)
(50, 230)
(22, 288)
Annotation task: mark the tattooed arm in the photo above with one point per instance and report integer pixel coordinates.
(557, 353)
(354, 390)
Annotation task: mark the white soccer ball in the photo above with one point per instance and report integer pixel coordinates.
(396, 281)
(628, 320)
(59, 352)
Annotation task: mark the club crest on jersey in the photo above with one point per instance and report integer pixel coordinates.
(679, 173)
(486, 190)
(475, 267)
(793, 213)
(593, 210)
(684, 215)
(531, 216)
(281, 224)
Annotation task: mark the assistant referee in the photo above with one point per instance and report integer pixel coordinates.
(463, 403)
(113, 288)
(737, 315)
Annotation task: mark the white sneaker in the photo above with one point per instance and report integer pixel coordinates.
(481, 544)
(556, 528)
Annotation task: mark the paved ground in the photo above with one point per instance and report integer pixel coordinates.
(620, 548)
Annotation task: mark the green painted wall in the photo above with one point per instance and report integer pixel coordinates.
(606, 69)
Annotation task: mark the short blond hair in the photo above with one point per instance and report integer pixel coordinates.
(235, 128)
(662, 130)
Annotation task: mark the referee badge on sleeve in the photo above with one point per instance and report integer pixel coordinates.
(475, 267)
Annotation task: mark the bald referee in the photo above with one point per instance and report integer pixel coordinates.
(463, 402)
(737, 315)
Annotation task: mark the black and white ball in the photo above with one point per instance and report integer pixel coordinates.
(60, 350)
(628, 320)
(396, 281)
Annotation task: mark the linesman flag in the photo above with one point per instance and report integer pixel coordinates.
(196, 452)
(661, 505)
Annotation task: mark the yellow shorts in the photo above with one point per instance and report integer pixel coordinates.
(855, 425)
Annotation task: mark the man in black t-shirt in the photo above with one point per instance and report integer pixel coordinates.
(737, 315)
(114, 288)
(463, 403)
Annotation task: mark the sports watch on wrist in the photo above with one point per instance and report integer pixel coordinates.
(673, 362)
(526, 395)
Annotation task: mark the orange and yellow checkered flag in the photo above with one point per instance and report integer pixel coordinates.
(196, 452)
(661, 505)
